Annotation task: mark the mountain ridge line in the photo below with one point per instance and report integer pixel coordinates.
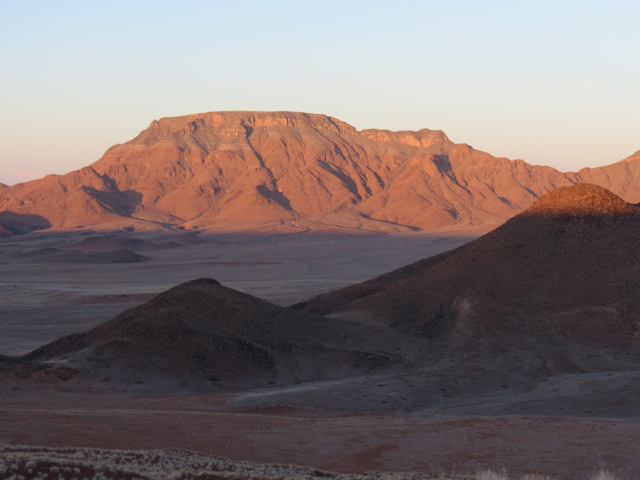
(290, 172)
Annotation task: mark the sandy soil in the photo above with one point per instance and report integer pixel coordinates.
(568, 448)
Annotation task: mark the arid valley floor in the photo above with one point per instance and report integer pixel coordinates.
(566, 427)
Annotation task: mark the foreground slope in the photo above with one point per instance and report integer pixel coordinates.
(554, 289)
(242, 170)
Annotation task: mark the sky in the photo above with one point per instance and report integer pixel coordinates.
(550, 82)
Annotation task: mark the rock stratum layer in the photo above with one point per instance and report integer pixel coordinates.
(248, 170)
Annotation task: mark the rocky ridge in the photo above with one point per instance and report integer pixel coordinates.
(556, 287)
(211, 337)
(286, 171)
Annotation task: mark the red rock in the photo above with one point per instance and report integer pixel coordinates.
(245, 170)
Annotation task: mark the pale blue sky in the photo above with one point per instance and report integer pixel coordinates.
(554, 83)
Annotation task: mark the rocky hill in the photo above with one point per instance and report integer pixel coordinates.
(291, 171)
(555, 288)
(211, 337)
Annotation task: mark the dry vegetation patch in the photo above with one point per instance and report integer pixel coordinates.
(20, 462)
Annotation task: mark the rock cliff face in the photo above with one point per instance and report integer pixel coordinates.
(248, 170)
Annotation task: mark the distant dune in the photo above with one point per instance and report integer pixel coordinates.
(287, 172)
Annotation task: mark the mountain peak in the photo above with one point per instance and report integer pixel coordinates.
(581, 199)
(237, 124)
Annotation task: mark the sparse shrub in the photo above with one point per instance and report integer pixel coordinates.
(534, 476)
(604, 475)
(491, 475)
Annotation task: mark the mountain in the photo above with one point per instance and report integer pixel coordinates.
(291, 171)
(555, 289)
(204, 333)
(621, 178)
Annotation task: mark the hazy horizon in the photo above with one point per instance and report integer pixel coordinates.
(547, 83)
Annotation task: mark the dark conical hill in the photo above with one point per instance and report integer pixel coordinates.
(202, 331)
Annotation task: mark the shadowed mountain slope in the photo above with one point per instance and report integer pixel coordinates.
(560, 281)
(294, 171)
(202, 332)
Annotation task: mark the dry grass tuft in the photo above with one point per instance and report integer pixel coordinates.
(604, 475)
(491, 475)
(51, 463)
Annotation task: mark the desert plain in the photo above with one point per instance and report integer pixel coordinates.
(283, 289)
(348, 425)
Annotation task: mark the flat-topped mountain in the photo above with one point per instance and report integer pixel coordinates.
(291, 171)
